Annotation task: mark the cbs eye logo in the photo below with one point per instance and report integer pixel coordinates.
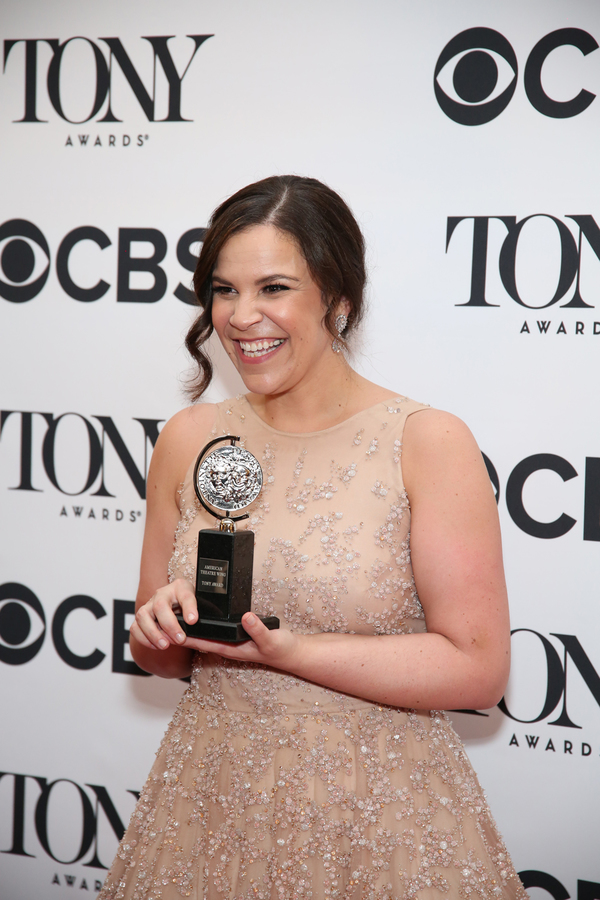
(23, 269)
(18, 625)
(476, 74)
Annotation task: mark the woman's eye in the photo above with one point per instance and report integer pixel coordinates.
(221, 289)
(275, 288)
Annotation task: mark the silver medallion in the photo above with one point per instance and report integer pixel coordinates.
(230, 478)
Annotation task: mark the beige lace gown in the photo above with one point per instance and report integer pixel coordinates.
(269, 786)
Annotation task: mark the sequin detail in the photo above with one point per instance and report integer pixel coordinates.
(272, 788)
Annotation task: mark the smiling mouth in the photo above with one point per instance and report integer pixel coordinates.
(259, 348)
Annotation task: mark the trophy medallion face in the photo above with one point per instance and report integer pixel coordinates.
(229, 479)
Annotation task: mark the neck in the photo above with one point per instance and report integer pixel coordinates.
(337, 399)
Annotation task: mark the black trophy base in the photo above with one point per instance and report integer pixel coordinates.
(223, 630)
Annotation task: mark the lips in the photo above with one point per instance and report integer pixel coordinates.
(254, 349)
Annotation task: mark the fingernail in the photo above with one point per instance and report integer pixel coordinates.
(180, 638)
(190, 617)
(163, 644)
(251, 619)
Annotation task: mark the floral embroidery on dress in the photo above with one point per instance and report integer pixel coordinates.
(269, 787)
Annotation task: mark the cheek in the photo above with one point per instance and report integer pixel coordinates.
(218, 318)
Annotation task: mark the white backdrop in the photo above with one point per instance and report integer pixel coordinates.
(506, 334)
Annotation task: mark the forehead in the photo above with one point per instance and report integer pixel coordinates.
(260, 247)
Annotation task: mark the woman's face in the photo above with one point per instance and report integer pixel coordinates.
(268, 312)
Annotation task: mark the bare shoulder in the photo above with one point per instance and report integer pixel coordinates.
(189, 423)
(181, 439)
(428, 428)
(438, 445)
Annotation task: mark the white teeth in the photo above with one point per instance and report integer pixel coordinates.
(259, 348)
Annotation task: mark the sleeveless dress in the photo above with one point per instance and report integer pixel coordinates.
(269, 787)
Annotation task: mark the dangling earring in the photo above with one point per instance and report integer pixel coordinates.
(340, 323)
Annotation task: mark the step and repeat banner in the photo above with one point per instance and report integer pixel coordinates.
(465, 138)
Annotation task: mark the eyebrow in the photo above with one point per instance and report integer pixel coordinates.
(265, 280)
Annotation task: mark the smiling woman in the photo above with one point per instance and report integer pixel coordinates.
(322, 229)
(269, 315)
(313, 760)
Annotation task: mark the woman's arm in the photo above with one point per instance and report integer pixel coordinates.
(179, 442)
(463, 659)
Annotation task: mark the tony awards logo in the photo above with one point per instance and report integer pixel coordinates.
(227, 479)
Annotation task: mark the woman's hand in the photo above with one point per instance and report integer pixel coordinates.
(277, 648)
(156, 626)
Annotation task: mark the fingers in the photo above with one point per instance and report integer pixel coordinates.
(257, 630)
(273, 647)
(244, 650)
(278, 648)
(254, 649)
(187, 600)
(156, 625)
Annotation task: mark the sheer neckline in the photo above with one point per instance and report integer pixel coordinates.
(399, 398)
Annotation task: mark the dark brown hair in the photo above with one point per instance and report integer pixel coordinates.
(325, 231)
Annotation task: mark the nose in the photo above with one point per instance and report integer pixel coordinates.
(245, 312)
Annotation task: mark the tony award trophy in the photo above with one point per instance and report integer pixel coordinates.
(227, 479)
